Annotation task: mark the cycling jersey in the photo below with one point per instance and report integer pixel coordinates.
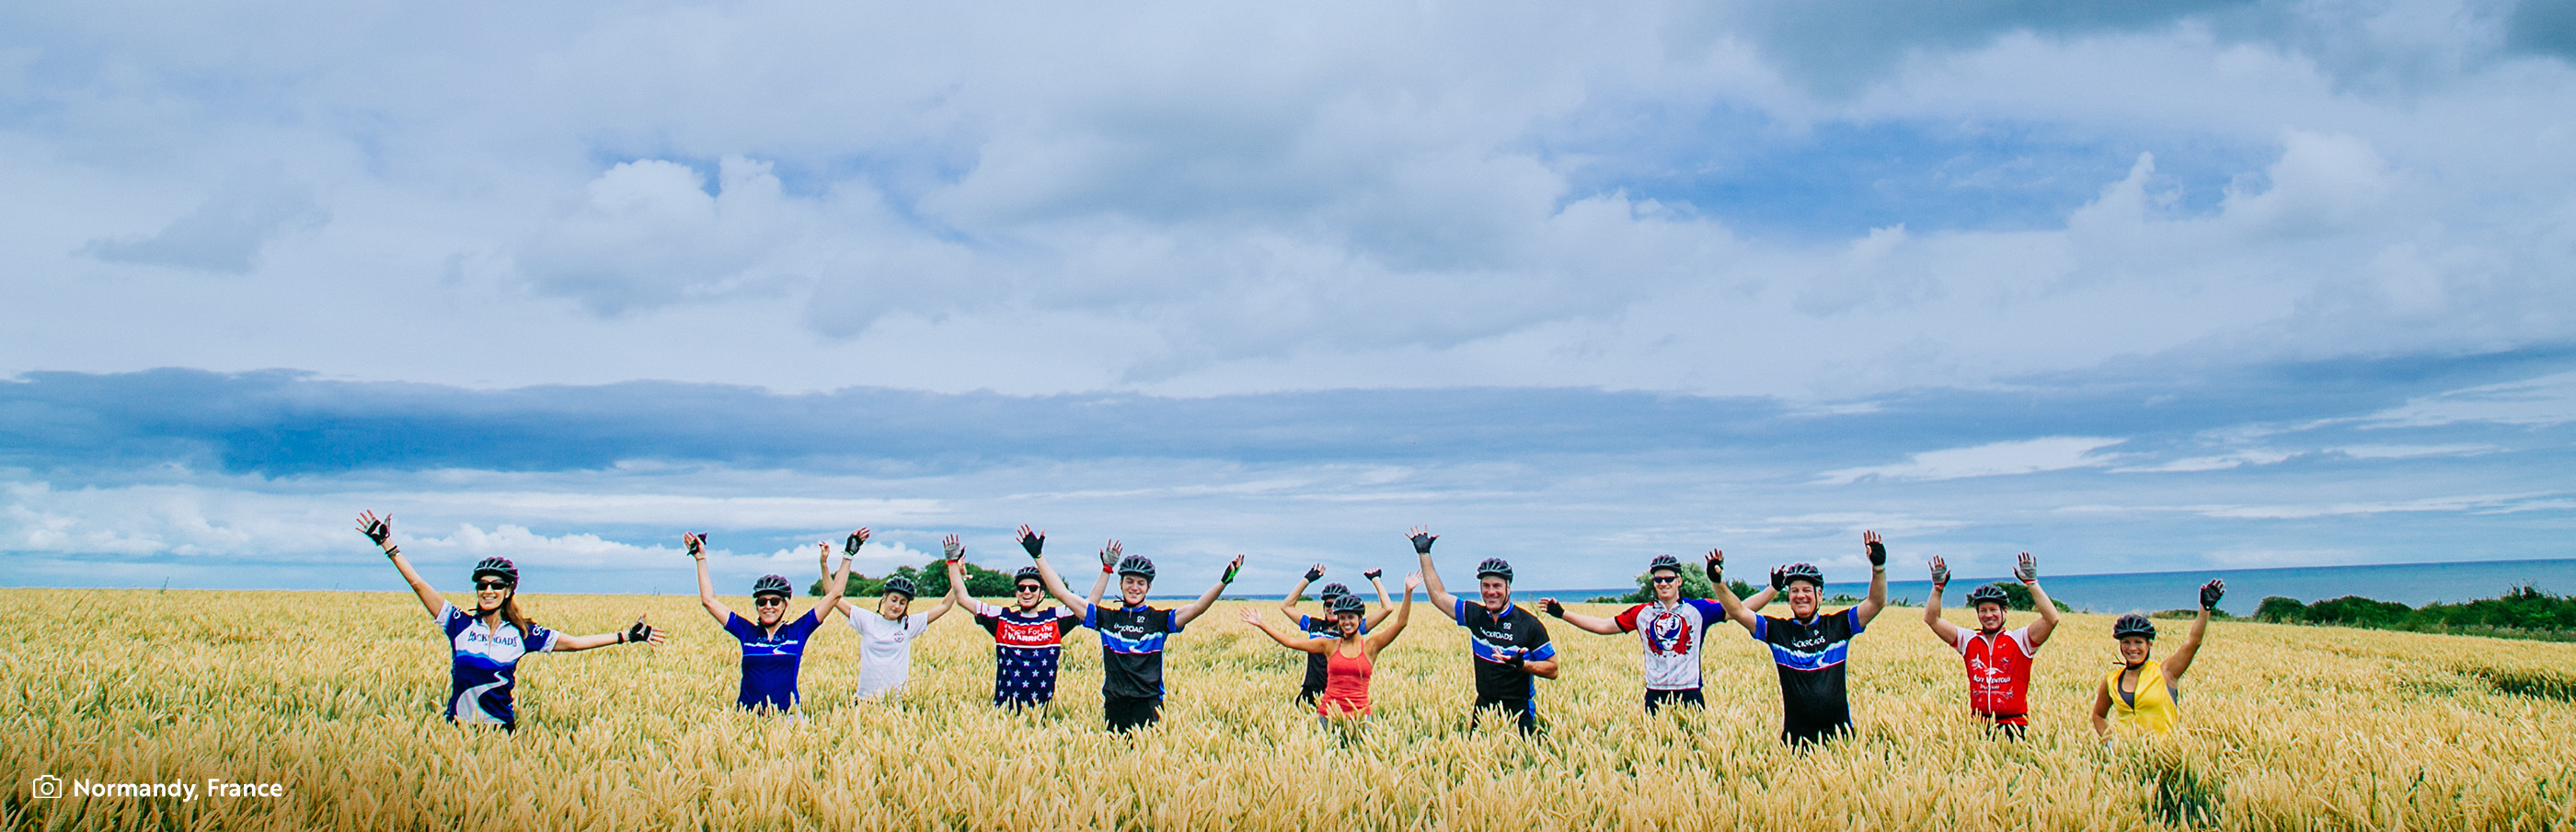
(1324, 627)
(885, 650)
(1672, 638)
(1494, 637)
(1810, 656)
(769, 660)
(1131, 648)
(1998, 673)
(484, 662)
(2154, 706)
(1027, 648)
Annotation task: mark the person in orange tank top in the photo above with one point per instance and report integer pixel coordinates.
(1349, 657)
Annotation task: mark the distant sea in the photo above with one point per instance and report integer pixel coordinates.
(2412, 584)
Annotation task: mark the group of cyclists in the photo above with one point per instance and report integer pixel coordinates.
(1509, 645)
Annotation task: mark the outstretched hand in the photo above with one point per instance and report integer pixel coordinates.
(1552, 607)
(1034, 542)
(1232, 568)
(2211, 592)
(1422, 538)
(1373, 574)
(954, 550)
(1780, 579)
(1412, 582)
(696, 543)
(1940, 572)
(378, 529)
(851, 544)
(1314, 573)
(1877, 550)
(1716, 567)
(1109, 555)
(1249, 616)
(2026, 569)
(643, 633)
(823, 552)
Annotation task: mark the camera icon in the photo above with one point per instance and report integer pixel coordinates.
(48, 787)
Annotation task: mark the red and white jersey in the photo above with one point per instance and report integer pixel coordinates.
(1672, 637)
(1998, 672)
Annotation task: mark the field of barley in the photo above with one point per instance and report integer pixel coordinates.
(338, 695)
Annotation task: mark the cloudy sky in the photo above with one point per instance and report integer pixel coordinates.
(2139, 287)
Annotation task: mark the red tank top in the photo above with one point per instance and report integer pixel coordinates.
(1998, 674)
(1346, 683)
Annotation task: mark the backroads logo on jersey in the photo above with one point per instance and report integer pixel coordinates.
(50, 787)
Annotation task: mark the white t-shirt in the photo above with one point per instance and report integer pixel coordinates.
(885, 650)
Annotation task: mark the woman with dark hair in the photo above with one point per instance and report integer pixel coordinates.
(885, 636)
(2144, 694)
(773, 647)
(1350, 657)
(488, 642)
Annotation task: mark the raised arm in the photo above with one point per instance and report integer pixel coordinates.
(1735, 610)
(1877, 599)
(823, 563)
(956, 555)
(639, 633)
(1764, 596)
(1207, 599)
(1422, 538)
(1384, 605)
(1586, 623)
(1941, 627)
(1108, 562)
(1288, 605)
(381, 530)
(1380, 637)
(2176, 664)
(706, 587)
(1055, 586)
(1302, 641)
(2027, 569)
(836, 585)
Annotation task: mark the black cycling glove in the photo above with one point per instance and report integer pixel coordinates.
(2211, 592)
(1034, 543)
(1373, 574)
(1314, 572)
(639, 634)
(1877, 554)
(1554, 608)
(1422, 543)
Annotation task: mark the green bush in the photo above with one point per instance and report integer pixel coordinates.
(2522, 612)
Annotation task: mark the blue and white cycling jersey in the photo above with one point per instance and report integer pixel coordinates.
(486, 666)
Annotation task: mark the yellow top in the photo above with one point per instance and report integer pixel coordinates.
(2154, 709)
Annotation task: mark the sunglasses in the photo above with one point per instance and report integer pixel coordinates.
(494, 586)
(1027, 588)
(1668, 579)
(769, 601)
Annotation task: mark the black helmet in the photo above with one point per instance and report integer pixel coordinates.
(903, 585)
(771, 585)
(1138, 566)
(1028, 573)
(1990, 593)
(1332, 591)
(2133, 624)
(1802, 572)
(1346, 602)
(502, 567)
(1664, 562)
(1496, 567)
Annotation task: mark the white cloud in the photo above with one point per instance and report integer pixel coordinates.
(2025, 456)
(2543, 401)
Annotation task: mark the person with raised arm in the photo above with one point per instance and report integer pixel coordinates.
(1671, 627)
(1324, 626)
(1132, 634)
(772, 647)
(1509, 645)
(1350, 656)
(2146, 695)
(1998, 660)
(1809, 648)
(885, 638)
(485, 646)
(1028, 638)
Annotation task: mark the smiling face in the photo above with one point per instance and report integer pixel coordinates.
(1804, 597)
(1347, 624)
(893, 605)
(1131, 589)
(489, 593)
(1668, 585)
(2133, 650)
(1027, 594)
(1990, 617)
(1495, 592)
(772, 608)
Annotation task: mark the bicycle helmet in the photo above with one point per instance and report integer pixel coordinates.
(1138, 566)
(771, 585)
(2133, 624)
(1496, 567)
(1802, 572)
(1347, 603)
(1990, 593)
(1664, 562)
(1028, 573)
(1332, 591)
(502, 567)
(903, 585)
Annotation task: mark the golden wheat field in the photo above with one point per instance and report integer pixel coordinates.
(337, 697)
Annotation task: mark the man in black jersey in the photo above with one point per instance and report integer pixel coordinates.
(1810, 649)
(1509, 643)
